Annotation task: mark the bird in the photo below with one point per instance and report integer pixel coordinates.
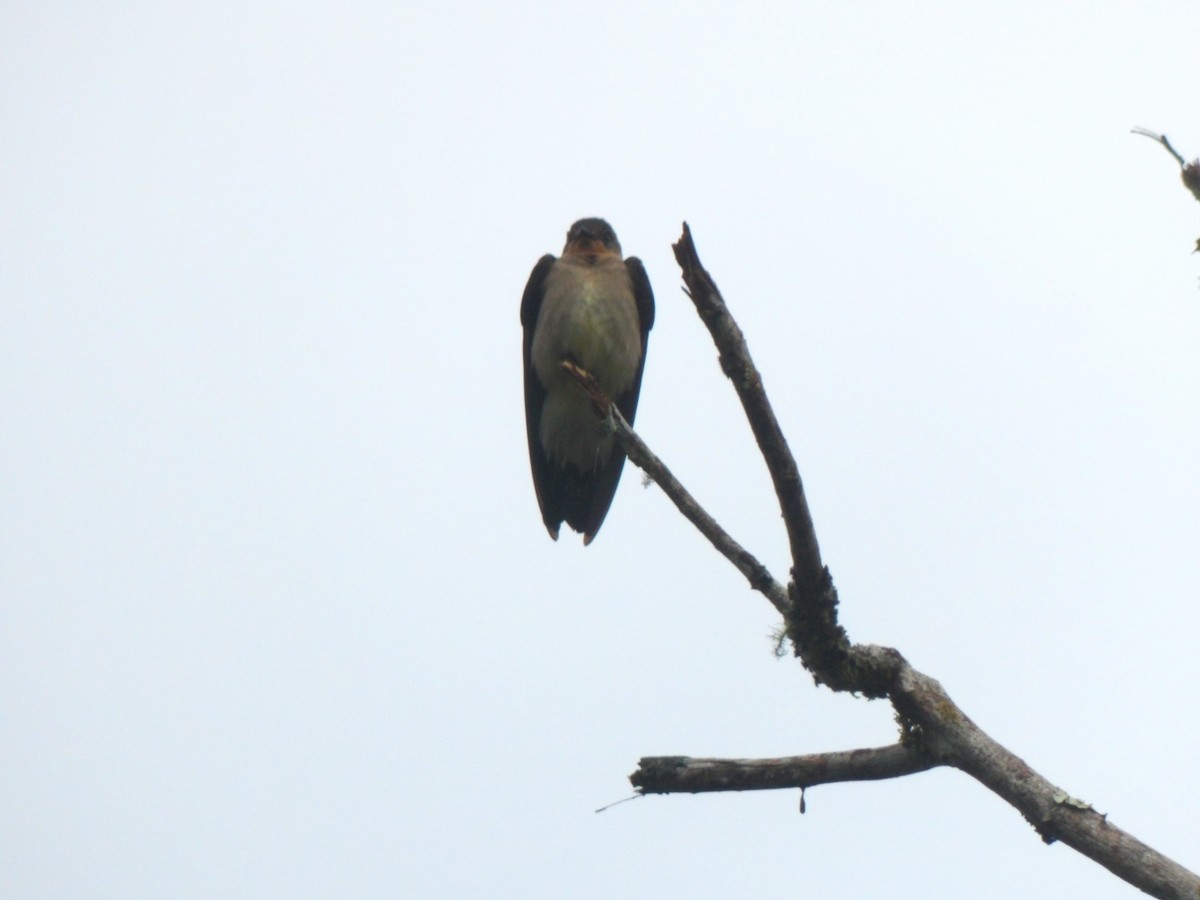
(593, 308)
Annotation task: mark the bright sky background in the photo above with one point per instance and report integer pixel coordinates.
(278, 615)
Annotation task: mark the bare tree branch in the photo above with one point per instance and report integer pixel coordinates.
(934, 731)
(820, 642)
(1191, 170)
(1162, 139)
(683, 774)
(950, 736)
(641, 456)
(739, 367)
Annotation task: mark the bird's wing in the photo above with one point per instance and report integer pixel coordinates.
(644, 297)
(535, 393)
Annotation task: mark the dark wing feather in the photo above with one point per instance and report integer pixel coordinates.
(535, 397)
(590, 510)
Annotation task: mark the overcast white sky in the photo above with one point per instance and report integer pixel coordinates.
(278, 616)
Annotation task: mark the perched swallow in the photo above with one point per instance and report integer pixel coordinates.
(594, 308)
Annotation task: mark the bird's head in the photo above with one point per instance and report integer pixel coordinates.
(593, 238)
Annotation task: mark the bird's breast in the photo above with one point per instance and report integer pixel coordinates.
(589, 315)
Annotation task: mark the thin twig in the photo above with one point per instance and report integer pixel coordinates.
(640, 455)
(1162, 139)
(1191, 170)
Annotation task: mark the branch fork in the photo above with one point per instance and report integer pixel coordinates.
(933, 730)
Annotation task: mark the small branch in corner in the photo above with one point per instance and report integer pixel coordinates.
(1191, 170)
